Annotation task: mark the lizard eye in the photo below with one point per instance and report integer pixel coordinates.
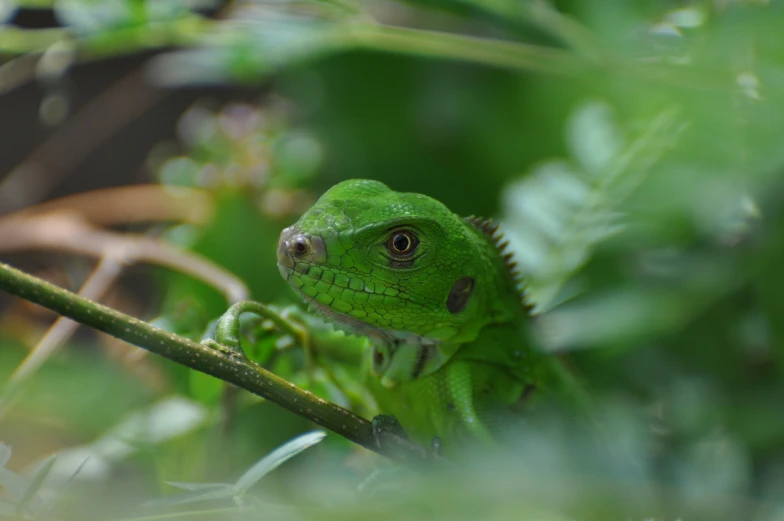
(402, 243)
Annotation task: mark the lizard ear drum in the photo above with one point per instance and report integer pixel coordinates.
(460, 294)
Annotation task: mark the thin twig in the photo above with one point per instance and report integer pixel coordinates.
(498, 53)
(527, 57)
(66, 231)
(142, 203)
(227, 366)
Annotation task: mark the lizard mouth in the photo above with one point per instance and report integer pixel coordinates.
(345, 322)
(354, 325)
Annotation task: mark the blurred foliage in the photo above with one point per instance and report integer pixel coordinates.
(632, 150)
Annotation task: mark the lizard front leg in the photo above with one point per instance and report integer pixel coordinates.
(389, 423)
(225, 336)
(460, 387)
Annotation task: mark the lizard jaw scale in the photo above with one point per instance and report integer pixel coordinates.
(351, 325)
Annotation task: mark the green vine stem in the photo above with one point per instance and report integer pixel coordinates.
(441, 45)
(586, 56)
(226, 365)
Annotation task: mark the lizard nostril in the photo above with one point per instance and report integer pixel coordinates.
(299, 246)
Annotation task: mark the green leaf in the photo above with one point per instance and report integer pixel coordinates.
(256, 41)
(13, 484)
(215, 491)
(276, 458)
(5, 454)
(7, 508)
(7, 10)
(204, 388)
(562, 210)
(197, 487)
(594, 138)
(91, 16)
(61, 492)
(31, 497)
(211, 492)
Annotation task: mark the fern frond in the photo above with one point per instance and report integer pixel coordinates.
(556, 215)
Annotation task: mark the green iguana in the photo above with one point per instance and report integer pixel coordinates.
(438, 298)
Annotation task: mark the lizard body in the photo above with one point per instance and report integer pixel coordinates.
(436, 295)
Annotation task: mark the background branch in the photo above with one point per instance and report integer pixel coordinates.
(68, 231)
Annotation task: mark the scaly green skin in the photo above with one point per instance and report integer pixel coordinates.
(447, 366)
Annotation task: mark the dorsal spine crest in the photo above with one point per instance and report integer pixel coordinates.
(491, 230)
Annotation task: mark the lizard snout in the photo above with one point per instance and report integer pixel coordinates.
(296, 248)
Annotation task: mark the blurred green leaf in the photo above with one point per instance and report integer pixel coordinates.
(558, 214)
(196, 487)
(214, 491)
(5, 454)
(7, 9)
(20, 496)
(205, 388)
(275, 459)
(208, 492)
(90, 16)
(31, 500)
(594, 138)
(258, 39)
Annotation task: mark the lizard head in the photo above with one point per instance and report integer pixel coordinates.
(399, 268)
